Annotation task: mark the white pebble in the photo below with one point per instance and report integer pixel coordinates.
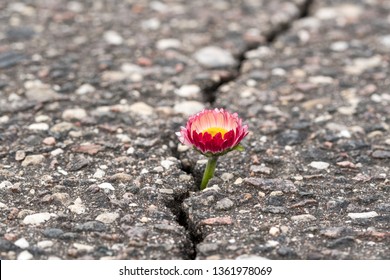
(39, 126)
(25, 255)
(107, 218)
(22, 243)
(38, 218)
(167, 163)
(112, 37)
(106, 186)
(363, 215)
(319, 165)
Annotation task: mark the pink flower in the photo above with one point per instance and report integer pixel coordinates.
(213, 132)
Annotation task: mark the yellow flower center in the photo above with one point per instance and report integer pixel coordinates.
(214, 130)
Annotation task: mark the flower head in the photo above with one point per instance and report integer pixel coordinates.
(213, 132)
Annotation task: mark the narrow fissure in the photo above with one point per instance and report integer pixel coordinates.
(209, 96)
(194, 238)
(210, 91)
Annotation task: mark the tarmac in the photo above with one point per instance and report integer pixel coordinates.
(92, 93)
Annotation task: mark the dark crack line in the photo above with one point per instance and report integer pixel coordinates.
(194, 238)
(209, 96)
(210, 91)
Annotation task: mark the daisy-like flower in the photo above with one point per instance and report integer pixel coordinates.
(213, 133)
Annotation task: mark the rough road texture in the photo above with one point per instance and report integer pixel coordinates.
(91, 93)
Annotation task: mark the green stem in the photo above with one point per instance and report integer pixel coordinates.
(209, 171)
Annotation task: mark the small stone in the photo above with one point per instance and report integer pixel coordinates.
(5, 184)
(62, 198)
(123, 138)
(250, 257)
(121, 177)
(334, 232)
(57, 152)
(38, 218)
(207, 248)
(36, 91)
(260, 169)
(238, 181)
(25, 255)
(339, 46)
(274, 231)
(91, 226)
(99, 174)
(20, 155)
(346, 164)
(169, 43)
(303, 218)
(83, 248)
(359, 65)
(50, 141)
(62, 127)
(22, 243)
(224, 204)
(381, 154)
(114, 76)
(106, 186)
(188, 91)
(319, 165)
(215, 57)
(112, 37)
(182, 148)
(320, 80)
(4, 119)
(85, 89)
(137, 233)
(141, 108)
(53, 232)
(107, 218)
(286, 186)
(151, 24)
(166, 191)
(227, 220)
(33, 160)
(88, 148)
(212, 188)
(227, 176)
(167, 163)
(363, 215)
(39, 126)
(188, 108)
(185, 178)
(74, 114)
(78, 207)
(77, 163)
(45, 244)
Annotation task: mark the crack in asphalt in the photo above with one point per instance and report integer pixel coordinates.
(209, 96)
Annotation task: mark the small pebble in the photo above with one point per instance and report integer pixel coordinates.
(303, 218)
(50, 141)
(215, 57)
(20, 155)
(224, 204)
(74, 114)
(39, 126)
(38, 218)
(33, 160)
(25, 255)
(106, 186)
(112, 37)
(107, 218)
(363, 215)
(319, 165)
(22, 243)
